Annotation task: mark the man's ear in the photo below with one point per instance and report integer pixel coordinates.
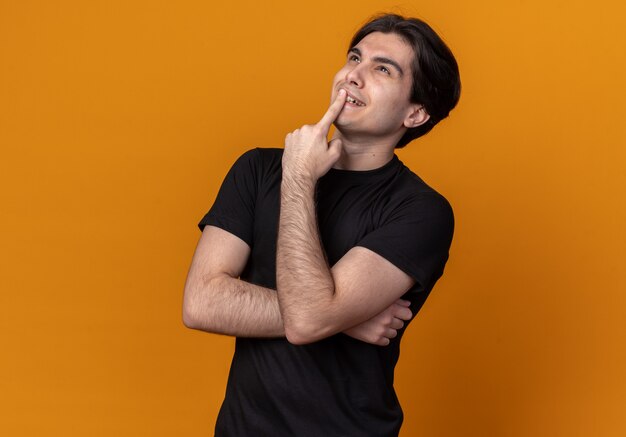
(416, 117)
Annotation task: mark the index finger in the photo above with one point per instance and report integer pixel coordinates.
(333, 111)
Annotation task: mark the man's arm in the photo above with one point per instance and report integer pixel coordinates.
(215, 300)
(315, 301)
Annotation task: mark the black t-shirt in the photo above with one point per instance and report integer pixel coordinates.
(338, 386)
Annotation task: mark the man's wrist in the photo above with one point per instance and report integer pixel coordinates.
(297, 182)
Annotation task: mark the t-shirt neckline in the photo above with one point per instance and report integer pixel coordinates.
(367, 174)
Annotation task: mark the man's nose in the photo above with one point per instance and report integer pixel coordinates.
(355, 76)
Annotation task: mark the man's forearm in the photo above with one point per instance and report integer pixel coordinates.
(305, 284)
(234, 307)
(230, 306)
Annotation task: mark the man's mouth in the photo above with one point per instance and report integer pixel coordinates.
(354, 101)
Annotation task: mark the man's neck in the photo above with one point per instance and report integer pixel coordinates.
(363, 154)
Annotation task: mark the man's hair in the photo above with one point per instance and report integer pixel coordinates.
(436, 81)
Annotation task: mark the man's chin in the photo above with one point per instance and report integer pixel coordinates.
(347, 130)
(343, 122)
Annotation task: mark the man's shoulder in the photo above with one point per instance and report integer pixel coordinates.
(413, 188)
(263, 153)
(258, 161)
(258, 167)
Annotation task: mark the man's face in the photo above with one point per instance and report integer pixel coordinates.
(378, 75)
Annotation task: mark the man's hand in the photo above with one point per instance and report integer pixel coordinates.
(380, 329)
(307, 153)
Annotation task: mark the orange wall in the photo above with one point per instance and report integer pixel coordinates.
(119, 119)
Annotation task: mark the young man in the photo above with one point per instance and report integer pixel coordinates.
(316, 256)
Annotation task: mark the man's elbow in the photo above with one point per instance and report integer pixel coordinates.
(298, 338)
(304, 326)
(190, 318)
(192, 302)
(301, 333)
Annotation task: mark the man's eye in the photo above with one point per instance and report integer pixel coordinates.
(353, 58)
(384, 70)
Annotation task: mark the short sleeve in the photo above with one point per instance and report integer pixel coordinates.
(416, 238)
(233, 209)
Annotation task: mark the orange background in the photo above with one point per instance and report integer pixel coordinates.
(118, 121)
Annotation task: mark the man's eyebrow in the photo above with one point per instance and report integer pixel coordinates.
(380, 59)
